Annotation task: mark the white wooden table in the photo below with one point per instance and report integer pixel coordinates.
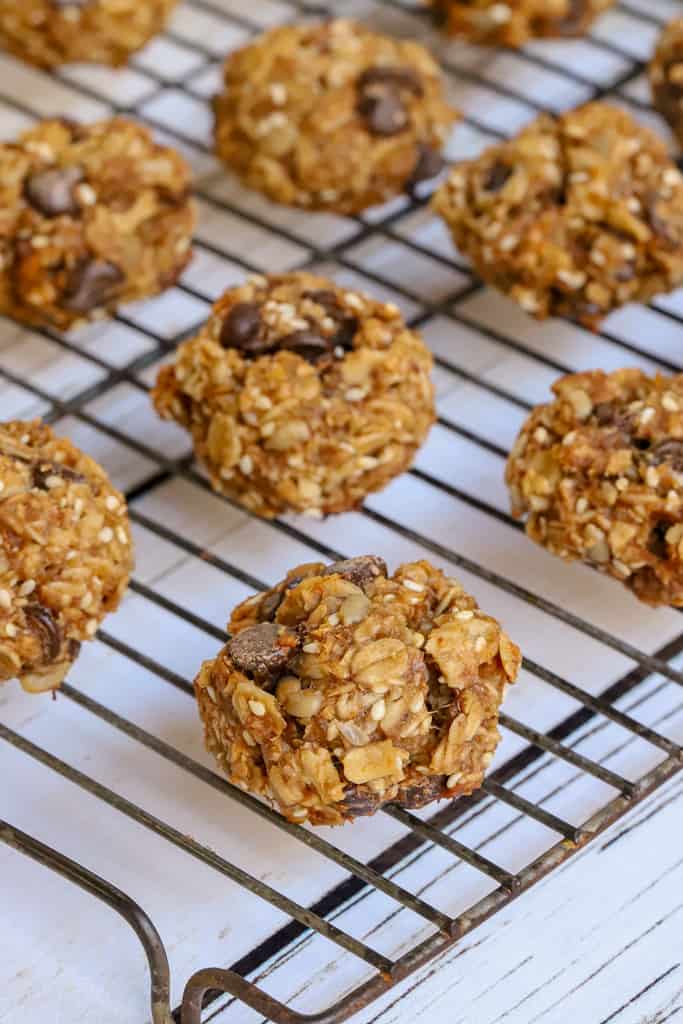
(600, 938)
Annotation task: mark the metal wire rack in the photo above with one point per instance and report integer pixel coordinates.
(599, 709)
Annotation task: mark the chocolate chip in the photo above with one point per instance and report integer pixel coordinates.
(380, 99)
(361, 570)
(270, 604)
(93, 283)
(393, 77)
(670, 451)
(432, 787)
(51, 192)
(429, 163)
(360, 801)
(42, 621)
(308, 344)
(385, 114)
(641, 443)
(496, 177)
(243, 329)
(656, 542)
(42, 471)
(348, 324)
(263, 650)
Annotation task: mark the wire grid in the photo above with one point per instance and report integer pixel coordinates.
(612, 729)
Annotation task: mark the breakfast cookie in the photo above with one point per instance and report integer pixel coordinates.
(332, 116)
(91, 216)
(53, 32)
(574, 217)
(598, 475)
(514, 22)
(301, 396)
(344, 688)
(65, 553)
(666, 77)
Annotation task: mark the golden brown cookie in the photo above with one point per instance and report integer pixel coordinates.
(53, 32)
(666, 76)
(344, 688)
(332, 116)
(514, 22)
(300, 396)
(65, 553)
(574, 217)
(91, 216)
(598, 475)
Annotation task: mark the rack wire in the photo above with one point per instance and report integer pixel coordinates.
(606, 728)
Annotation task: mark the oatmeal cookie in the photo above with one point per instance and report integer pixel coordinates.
(574, 217)
(666, 77)
(598, 474)
(53, 32)
(344, 688)
(65, 553)
(91, 216)
(300, 396)
(514, 22)
(332, 116)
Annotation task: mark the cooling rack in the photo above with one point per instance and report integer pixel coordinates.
(108, 795)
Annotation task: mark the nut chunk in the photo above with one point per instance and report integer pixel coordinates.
(514, 22)
(344, 688)
(300, 396)
(598, 473)
(666, 77)
(91, 216)
(53, 32)
(574, 217)
(65, 553)
(332, 116)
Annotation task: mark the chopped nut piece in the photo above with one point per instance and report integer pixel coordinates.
(365, 711)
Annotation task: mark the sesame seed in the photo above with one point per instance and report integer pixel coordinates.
(670, 402)
(121, 535)
(311, 648)
(257, 708)
(111, 503)
(5, 600)
(246, 736)
(647, 414)
(86, 600)
(27, 587)
(465, 616)
(621, 484)
(355, 394)
(333, 620)
(91, 627)
(480, 644)
(453, 780)
(412, 585)
(105, 535)
(246, 464)
(10, 629)
(581, 505)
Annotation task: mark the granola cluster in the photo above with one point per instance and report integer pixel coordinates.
(344, 688)
(576, 216)
(514, 22)
(332, 116)
(65, 553)
(300, 395)
(53, 32)
(598, 474)
(666, 76)
(90, 217)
